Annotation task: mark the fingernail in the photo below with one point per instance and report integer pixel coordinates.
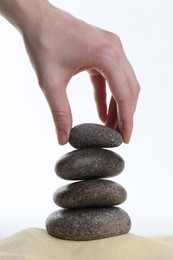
(62, 137)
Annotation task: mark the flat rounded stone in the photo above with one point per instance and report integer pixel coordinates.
(89, 163)
(84, 224)
(90, 193)
(94, 135)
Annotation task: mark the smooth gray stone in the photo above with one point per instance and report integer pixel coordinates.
(89, 163)
(94, 135)
(88, 223)
(90, 193)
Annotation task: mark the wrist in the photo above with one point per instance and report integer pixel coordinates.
(23, 14)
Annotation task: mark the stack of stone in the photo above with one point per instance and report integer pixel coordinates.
(89, 205)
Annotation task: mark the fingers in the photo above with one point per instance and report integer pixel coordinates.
(99, 85)
(133, 84)
(61, 112)
(112, 117)
(125, 90)
(120, 115)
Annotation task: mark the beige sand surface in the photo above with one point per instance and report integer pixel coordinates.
(36, 244)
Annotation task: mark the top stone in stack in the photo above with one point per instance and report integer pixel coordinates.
(94, 136)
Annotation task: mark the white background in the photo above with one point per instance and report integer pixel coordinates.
(28, 146)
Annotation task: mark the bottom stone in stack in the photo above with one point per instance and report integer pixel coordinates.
(84, 224)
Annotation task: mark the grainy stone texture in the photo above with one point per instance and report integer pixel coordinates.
(94, 135)
(88, 223)
(90, 193)
(88, 164)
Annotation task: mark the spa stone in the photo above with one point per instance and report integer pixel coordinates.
(84, 224)
(90, 193)
(94, 135)
(89, 163)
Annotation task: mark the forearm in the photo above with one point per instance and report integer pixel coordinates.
(22, 13)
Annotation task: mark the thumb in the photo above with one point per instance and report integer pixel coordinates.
(61, 112)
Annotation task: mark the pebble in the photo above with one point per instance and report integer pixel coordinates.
(94, 135)
(89, 163)
(84, 224)
(90, 193)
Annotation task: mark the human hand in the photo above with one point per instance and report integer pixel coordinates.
(60, 46)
